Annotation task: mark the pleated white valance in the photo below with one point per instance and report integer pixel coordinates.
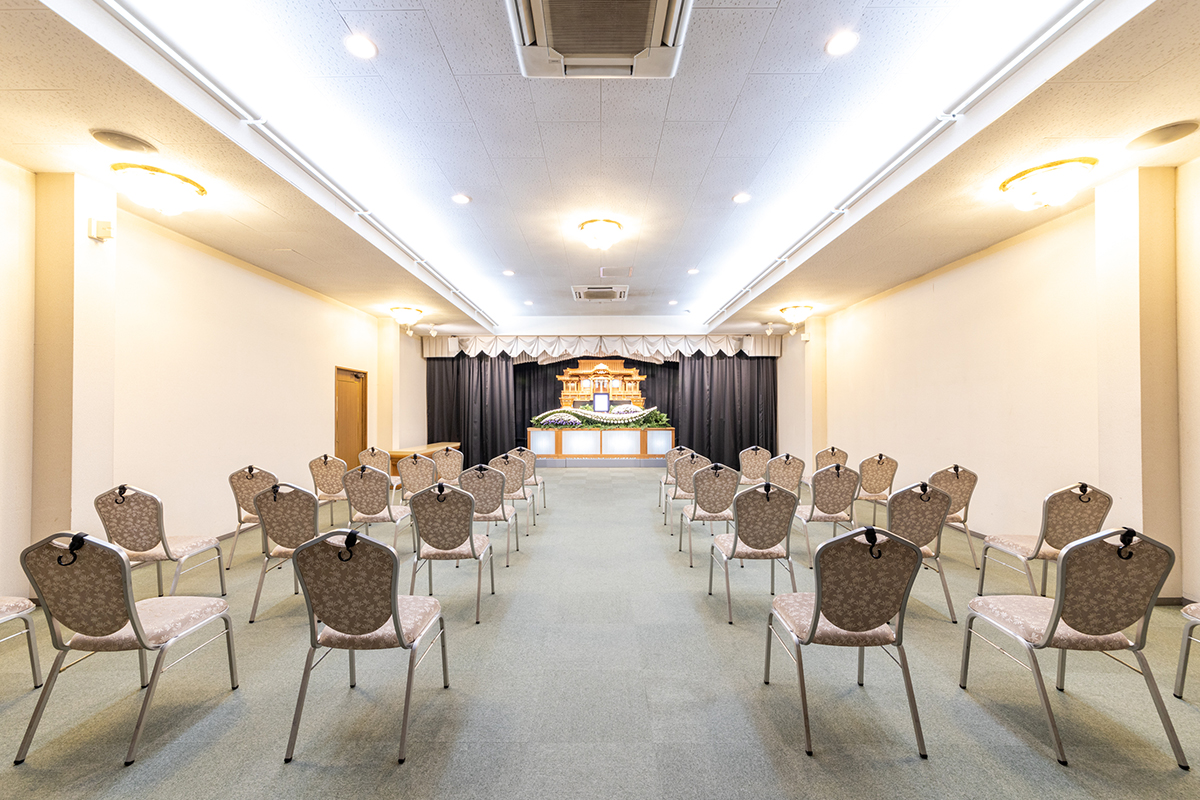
(548, 349)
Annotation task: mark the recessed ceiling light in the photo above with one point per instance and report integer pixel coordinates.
(508, 273)
(841, 43)
(693, 271)
(673, 303)
(165, 192)
(528, 302)
(1160, 136)
(741, 197)
(461, 199)
(360, 46)
(1050, 184)
(123, 141)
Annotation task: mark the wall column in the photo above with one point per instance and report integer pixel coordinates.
(816, 409)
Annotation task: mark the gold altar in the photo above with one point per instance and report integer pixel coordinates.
(611, 376)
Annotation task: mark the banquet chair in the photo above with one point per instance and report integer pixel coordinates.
(382, 461)
(327, 472)
(1191, 617)
(532, 479)
(85, 585)
(833, 490)
(486, 486)
(443, 517)
(368, 492)
(351, 589)
(762, 525)
(133, 520)
(917, 513)
(668, 478)
(417, 472)
(878, 476)
(289, 519)
(685, 468)
(1106, 582)
(863, 579)
(449, 464)
(959, 483)
(753, 465)
(515, 487)
(21, 608)
(827, 458)
(1067, 515)
(245, 484)
(713, 490)
(786, 472)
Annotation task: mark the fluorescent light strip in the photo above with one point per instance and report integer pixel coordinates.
(148, 35)
(943, 121)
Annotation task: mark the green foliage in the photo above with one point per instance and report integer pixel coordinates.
(655, 419)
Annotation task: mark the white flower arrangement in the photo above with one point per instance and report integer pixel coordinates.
(621, 414)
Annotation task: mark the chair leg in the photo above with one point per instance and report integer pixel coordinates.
(728, 593)
(1029, 576)
(295, 578)
(262, 576)
(412, 584)
(945, 588)
(178, 572)
(158, 569)
(331, 505)
(791, 572)
(492, 568)
(690, 562)
(508, 542)
(808, 544)
(47, 688)
(862, 661)
(1180, 759)
(35, 664)
(1044, 565)
(220, 572)
(478, 590)
(1040, 683)
(712, 556)
(233, 676)
(1184, 650)
(803, 702)
(143, 668)
(966, 650)
(445, 667)
(982, 570)
(308, 664)
(767, 659)
(971, 545)
(353, 671)
(408, 685)
(429, 571)
(772, 576)
(233, 547)
(141, 720)
(912, 701)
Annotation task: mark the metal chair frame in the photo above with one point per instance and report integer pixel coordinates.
(717, 555)
(26, 618)
(325, 497)
(812, 507)
(266, 539)
(392, 519)
(927, 493)
(246, 473)
(696, 512)
(880, 460)
(488, 553)
(957, 472)
(1185, 646)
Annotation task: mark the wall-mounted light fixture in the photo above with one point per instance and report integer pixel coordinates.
(795, 315)
(1050, 184)
(166, 192)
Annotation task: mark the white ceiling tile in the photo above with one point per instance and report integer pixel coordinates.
(630, 139)
(799, 31)
(475, 35)
(511, 139)
(566, 100)
(566, 141)
(634, 101)
(503, 99)
(684, 152)
(721, 45)
(376, 5)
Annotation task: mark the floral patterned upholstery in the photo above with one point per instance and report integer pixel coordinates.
(1073, 513)
(834, 455)
(959, 483)
(514, 475)
(1103, 593)
(389, 514)
(858, 591)
(786, 471)
(416, 614)
(763, 519)
(472, 547)
(327, 472)
(530, 459)
(449, 463)
(416, 473)
(379, 459)
(685, 469)
(288, 514)
(486, 485)
(443, 516)
(833, 490)
(878, 473)
(796, 611)
(1025, 547)
(918, 515)
(725, 543)
(245, 484)
(809, 515)
(671, 457)
(714, 488)
(753, 462)
(10, 606)
(354, 595)
(132, 518)
(1192, 611)
(86, 595)
(1027, 616)
(180, 549)
(368, 490)
(161, 618)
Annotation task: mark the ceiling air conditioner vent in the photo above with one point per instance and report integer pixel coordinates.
(600, 294)
(599, 38)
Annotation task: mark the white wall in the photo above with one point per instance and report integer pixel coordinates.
(219, 365)
(408, 419)
(17, 206)
(1187, 218)
(792, 400)
(990, 363)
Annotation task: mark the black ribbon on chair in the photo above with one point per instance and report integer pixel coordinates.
(716, 467)
(1126, 541)
(120, 498)
(1083, 493)
(325, 458)
(72, 549)
(832, 450)
(250, 472)
(351, 540)
(787, 458)
(362, 471)
(447, 448)
(837, 470)
(275, 493)
(956, 468)
(767, 490)
(755, 448)
(879, 458)
(441, 492)
(481, 469)
(872, 541)
(372, 448)
(520, 449)
(924, 492)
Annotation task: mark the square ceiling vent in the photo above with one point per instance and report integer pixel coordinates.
(600, 294)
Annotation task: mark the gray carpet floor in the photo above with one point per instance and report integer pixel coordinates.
(602, 669)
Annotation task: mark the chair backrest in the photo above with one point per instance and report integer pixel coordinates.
(878, 473)
(449, 463)
(83, 583)
(834, 455)
(673, 455)
(1108, 581)
(416, 472)
(917, 513)
(486, 485)
(762, 516)
(1072, 513)
(514, 472)
(529, 457)
(786, 471)
(715, 487)
(288, 515)
(753, 462)
(350, 583)
(131, 517)
(379, 459)
(958, 482)
(443, 516)
(367, 489)
(248, 482)
(834, 488)
(327, 472)
(863, 579)
(686, 467)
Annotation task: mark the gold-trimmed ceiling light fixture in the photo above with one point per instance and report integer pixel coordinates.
(600, 234)
(795, 315)
(407, 317)
(166, 192)
(1050, 184)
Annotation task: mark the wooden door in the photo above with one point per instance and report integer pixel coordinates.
(350, 415)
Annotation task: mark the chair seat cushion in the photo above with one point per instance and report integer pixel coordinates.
(1027, 616)
(163, 618)
(696, 514)
(667, 480)
(1192, 611)
(679, 494)
(502, 513)
(180, 549)
(416, 613)
(724, 543)
(536, 480)
(460, 552)
(796, 610)
(325, 497)
(516, 495)
(14, 605)
(954, 518)
(1021, 546)
(398, 512)
(875, 497)
(815, 515)
(246, 518)
(746, 480)
(279, 551)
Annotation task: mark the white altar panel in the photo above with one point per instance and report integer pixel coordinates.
(622, 443)
(658, 442)
(580, 443)
(542, 442)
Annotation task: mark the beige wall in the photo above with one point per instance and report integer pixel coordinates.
(792, 399)
(17, 204)
(408, 419)
(1188, 304)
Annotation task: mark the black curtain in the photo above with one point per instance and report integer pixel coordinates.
(726, 404)
(471, 400)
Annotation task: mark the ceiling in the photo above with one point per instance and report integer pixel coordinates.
(756, 106)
